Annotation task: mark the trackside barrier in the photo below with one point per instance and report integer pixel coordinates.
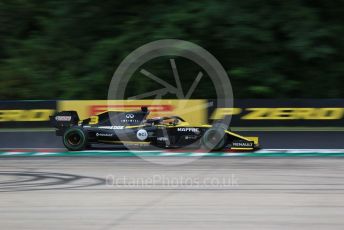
(286, 113)
(194, 111)
(26, 114)
(246, 112)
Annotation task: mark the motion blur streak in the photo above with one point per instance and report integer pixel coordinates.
(129, 193)
(268, 139)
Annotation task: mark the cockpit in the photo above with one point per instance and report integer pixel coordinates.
(171, 120)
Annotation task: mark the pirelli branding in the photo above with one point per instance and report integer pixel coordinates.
(194, 111)
(245, 113)
(26, 114)
(280, 113)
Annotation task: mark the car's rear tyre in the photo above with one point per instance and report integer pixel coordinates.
(75, 139)
(214, 139)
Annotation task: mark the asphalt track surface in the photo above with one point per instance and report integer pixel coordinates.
(268, 139)
(173, 192)
(209, 193)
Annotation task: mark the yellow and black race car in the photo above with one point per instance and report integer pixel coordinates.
(133, 129)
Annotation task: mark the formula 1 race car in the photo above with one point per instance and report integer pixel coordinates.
(133, 129)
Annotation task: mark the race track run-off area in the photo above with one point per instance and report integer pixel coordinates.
(43, 186)
(105, 193)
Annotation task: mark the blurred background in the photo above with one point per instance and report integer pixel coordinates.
(285, 62)
(53, 49)
(283, 57)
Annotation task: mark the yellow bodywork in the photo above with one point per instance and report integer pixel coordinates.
(254, 139)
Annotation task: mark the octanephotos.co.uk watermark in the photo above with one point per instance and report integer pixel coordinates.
(165, 181)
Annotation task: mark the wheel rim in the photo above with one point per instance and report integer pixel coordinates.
(214, 138)
(74, 139)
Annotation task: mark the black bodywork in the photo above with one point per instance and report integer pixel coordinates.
(134, 129)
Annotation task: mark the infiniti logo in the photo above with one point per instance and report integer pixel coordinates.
(130, 115)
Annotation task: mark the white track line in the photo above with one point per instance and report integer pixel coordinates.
(57, 150)
(44, 153)
(12, 153)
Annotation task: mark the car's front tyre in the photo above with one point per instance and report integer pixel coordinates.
(75, 139)
(214, 139)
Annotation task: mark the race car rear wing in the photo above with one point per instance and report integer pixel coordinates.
(63, 120)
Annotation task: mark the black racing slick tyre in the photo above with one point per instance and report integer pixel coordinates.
(214, 139)
(75, 139)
